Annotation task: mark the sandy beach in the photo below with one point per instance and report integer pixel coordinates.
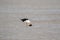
(44, 15)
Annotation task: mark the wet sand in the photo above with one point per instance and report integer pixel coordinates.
(45, 18)
(44, 28)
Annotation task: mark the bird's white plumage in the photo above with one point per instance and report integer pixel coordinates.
(28, 21)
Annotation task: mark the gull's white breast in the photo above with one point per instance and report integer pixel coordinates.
(27, 21)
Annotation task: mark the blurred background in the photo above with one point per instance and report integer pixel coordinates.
(44, 15)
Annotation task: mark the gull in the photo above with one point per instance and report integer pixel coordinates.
(27, 21)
